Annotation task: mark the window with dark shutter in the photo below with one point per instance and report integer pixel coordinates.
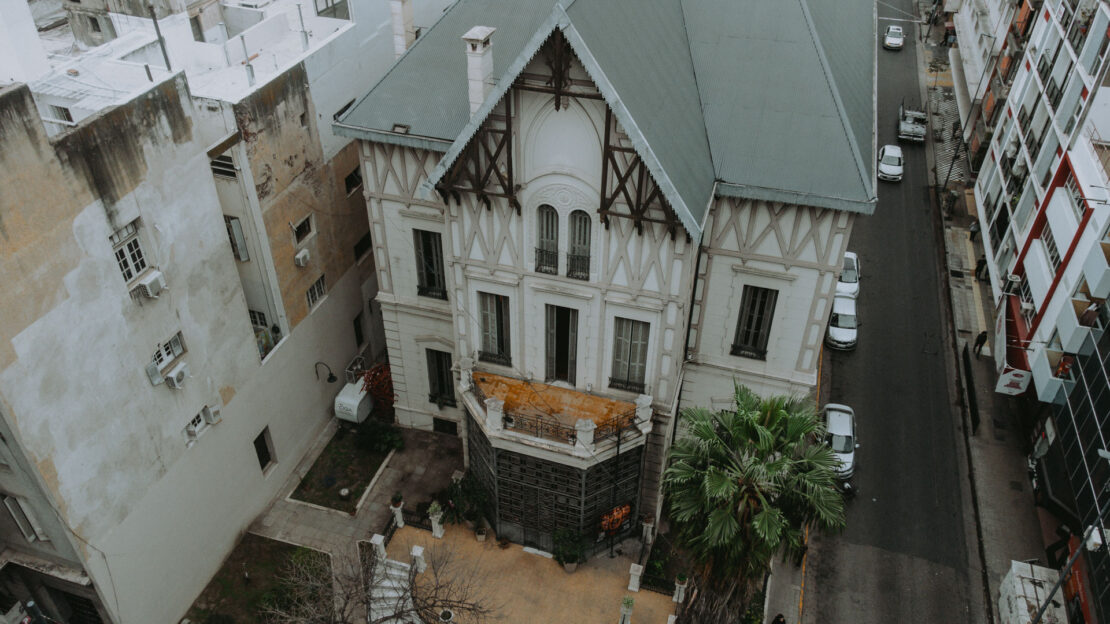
(494, 319)
(429, 264)
(441, 389)
(562, 343)
(630, 342)
(753, 327)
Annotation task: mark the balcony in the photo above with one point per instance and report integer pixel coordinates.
(551, 417)
(1096, 269)
(1079, 317)
(547, 261)
(578, 266)
(1052, 372)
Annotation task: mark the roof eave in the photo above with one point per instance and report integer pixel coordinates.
(859, 206)
(395, 138)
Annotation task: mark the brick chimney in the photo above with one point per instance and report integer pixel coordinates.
(403, 31)
(22, 57)
(479, 65)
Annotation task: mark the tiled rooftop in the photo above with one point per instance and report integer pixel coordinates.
(531, 398)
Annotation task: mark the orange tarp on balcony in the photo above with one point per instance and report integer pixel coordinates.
(532, 398)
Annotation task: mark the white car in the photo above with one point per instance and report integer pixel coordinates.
(843, 325)
(840, 427)
(847, 284)
(893, 38)
(890, 163)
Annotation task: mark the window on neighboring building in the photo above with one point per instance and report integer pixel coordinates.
(336, 9)
(562, 343)
(429, 264)
(1050, 248)
(315, 292)
(258, 319)
(223, 166)
(25, 519)
(362, 247)
(165, 353)
(128, 251)
(360, 335)
(353, 180)
(235, 235)
(578, 253)
(441, 387)
(264, 449)
(303, 230)
(494, 318)
(61, 113)
(194, 24)
(94, 24)
(547, 240)
(192, 430)
(753, 328)
(630, 343)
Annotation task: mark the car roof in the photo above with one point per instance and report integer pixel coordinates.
(844, 305)
(894, 29)
(893, 149)
(852, 255)
(838, 422)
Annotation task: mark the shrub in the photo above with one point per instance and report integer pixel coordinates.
(375, 436)
(568, 546)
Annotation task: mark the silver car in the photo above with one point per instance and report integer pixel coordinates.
(890, 163)
(847, 284)
(894, 38)
(840, 428)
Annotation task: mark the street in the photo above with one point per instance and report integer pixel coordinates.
(905, 555)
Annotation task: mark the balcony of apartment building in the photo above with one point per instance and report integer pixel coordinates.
(1052, 371)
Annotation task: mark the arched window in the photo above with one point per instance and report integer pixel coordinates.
(578, 252)
(547, 240)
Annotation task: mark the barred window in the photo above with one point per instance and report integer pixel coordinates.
(753, 327)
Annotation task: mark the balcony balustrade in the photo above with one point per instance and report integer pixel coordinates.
(1096, 269)
(547, 261)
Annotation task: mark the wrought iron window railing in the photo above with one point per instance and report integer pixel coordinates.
(748, 352)
(578, 266)
(442, 399)
(547, 261)
(495, 358)
(626, 384)
(540, 427)
(435, 292)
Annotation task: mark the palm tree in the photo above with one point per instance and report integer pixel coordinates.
(745, 485)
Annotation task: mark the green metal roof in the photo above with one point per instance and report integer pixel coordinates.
(765, 99)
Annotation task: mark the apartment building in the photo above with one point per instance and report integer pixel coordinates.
(1043, 207)
(574, 239)
(185, 260)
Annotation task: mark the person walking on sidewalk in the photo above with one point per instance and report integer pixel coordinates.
(980, 340)
(981, 267)
(973, 231)
(779, 619)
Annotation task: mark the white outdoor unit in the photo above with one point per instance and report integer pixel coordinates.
(302, 258)
(152, 284)
(352, 404)
(176, 377)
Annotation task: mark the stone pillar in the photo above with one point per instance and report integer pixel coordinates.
(418, 562)
(643, 413)
(378, 542)
(495, 412)
(584, 434)
(634, 573)
(437, 526)
(679, 591)
(398, 518)
(649, 530)
(466, 374)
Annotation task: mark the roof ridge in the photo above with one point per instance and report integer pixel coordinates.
(701, 105)
(861, 167)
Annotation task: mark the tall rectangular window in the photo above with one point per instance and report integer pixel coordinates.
(547, 240)
(25, 519)
(441, 389)
(429, 264)
(562, 343)
(264, 449)
(167, 352)
(494, 318)
(128, 251)
(630, 343)
(234, 229)
(353, 181)
(753, 328)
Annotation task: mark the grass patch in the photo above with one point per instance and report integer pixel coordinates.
(231, 599)
(348, 461)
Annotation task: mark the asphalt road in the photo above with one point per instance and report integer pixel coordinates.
(904, 556)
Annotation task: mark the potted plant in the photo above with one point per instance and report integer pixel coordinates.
(396, 500)
(480, 533)
(568, 549)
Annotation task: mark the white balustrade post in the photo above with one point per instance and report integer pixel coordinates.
(437, 525)
(584, 434)
(378, 542)
(649, 530)
(398, 518)
(466, 374)
(679, 590)
(418, 562)
(634, 573)
(495, 413)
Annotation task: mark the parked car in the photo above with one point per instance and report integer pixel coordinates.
(890, 163)
(847, 284)
(894, 38)
(840, 427)
(843, 324)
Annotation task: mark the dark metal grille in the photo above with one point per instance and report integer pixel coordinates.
(540, 427)
(753, 327)
(627, 384)
(578, 266)
(547, 261)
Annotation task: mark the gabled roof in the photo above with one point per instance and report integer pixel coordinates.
(749, 98)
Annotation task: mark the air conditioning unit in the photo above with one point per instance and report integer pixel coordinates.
(1027, 307)
(302, 258)
(212, 414)
(190, 432)
(152, 284)
(176, 377)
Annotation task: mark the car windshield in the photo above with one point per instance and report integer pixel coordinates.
(894, 31)
(840, 443)
(849, 274)
(892, 160)
(844, 321)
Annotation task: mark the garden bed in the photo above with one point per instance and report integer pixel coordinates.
(346, 462)
(232, 598)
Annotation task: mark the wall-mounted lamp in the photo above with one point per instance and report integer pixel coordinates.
(331, 376)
